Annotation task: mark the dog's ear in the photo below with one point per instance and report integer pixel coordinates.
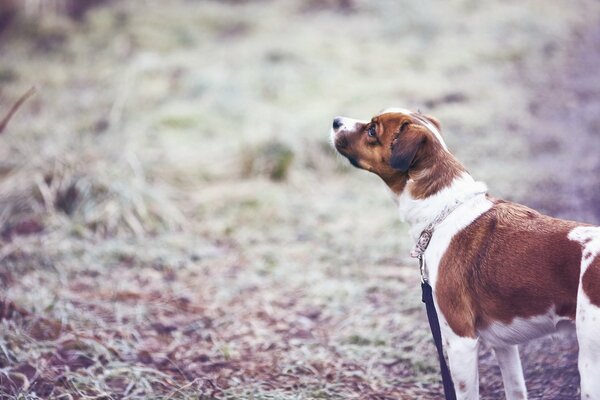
(405, 147)
(434, 121)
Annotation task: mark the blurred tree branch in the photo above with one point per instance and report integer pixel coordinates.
(15, 107)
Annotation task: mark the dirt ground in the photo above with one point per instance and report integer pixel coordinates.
(174, 223)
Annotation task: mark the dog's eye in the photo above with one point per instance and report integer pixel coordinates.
(372, 131)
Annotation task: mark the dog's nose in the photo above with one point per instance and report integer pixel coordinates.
(337, 122)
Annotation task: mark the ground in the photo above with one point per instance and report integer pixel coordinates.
(174, 223)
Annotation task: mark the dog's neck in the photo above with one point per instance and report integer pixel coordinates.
(419, 212)
(434, 183)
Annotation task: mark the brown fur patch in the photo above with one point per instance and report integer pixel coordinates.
(510, 262)
(591, 282)
(432, 168)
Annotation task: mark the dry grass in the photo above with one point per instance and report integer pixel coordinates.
(174, 224)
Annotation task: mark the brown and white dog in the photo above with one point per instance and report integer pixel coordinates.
(500, 272)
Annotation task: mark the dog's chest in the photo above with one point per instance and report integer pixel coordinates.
(461, 218)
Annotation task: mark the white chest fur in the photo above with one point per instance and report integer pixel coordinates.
(420, 212)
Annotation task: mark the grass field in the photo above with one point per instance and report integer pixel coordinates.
(174, 223)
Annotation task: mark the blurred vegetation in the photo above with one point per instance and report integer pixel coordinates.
(272, 159)
(173, 222)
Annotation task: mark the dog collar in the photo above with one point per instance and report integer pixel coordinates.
(425, 237)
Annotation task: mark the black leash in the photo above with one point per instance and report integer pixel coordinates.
(434, 324)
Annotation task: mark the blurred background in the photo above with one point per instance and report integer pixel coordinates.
(174, 223)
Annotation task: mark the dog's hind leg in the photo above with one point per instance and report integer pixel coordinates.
(588, 311)
(512, 372)
(588, 335)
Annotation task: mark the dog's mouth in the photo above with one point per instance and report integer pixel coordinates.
(341, 143)
(343, 151)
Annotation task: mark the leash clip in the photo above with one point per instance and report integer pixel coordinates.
(424, 278)
(422, 243)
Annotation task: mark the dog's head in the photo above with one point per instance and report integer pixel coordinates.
(393, 144)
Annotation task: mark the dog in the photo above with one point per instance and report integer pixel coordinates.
(501, 272)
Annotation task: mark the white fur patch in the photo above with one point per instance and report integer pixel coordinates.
(463, 360)
(348, 125)
(589, 237)
(521, 330)
(420, 212)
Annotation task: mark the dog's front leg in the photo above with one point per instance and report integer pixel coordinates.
(512, 372)
(463, 360)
